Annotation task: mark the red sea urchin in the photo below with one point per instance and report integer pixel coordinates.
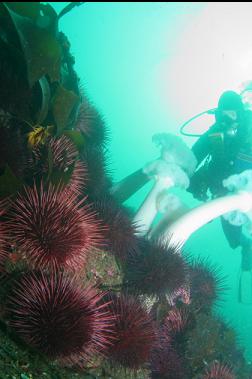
(176, 321)
(134, 332)
(120, 233)
(3, 241)
(165, 363)
(3, 253)
(64, 157)
(99, 176)
(91, 124)
(157, 269)
(51, 229)
(56, 157)
(78, 179)
(58, 317)
(218, 371)
(206, 283)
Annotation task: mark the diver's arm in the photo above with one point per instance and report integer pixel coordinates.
(199, 181)
(123, 190)
(201, 147)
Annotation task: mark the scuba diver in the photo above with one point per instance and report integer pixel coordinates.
(224, 150)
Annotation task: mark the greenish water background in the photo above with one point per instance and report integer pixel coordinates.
(123, 53)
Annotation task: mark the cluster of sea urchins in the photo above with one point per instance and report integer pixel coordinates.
(53, 231)
(54, 223)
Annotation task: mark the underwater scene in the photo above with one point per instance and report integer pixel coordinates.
(126, 190)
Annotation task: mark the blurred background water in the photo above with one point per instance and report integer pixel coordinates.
(148, 67)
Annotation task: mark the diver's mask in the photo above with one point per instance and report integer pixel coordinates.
(229, 122)
(231, 130)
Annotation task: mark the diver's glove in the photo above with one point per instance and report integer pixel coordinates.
(199, 185)
(174, 150)
(160, 168)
